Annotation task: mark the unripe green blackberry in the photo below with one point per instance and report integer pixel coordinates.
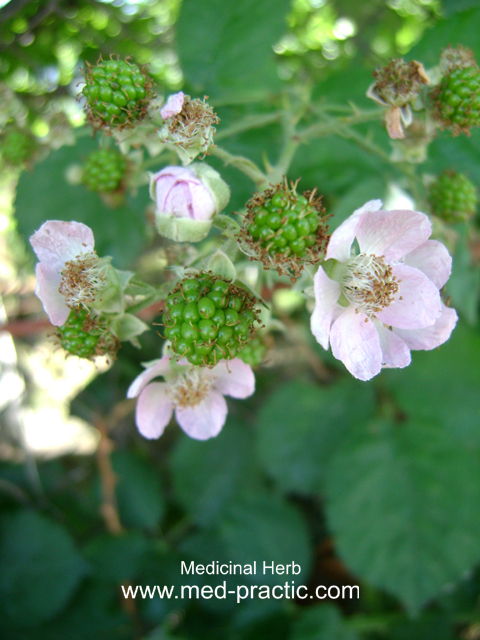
(285, 230)
(453, 197)
(17, 146)
(85, 337)
(208, 319)
(117, 92)
(254, 352)
(456, 99)
(104, 170)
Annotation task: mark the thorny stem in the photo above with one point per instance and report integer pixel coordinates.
(248, 123)
(244, 165)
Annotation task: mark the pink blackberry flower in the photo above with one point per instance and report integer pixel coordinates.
(194, 393)
(69, 274)
(376, 304)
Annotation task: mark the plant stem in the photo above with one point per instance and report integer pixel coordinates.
(244, 165)
(250, 122)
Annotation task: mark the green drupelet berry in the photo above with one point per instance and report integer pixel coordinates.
(254, 352)
(208, 319)
(117, 93)
(453, 197)
(457, 100)
(285, 230)
(104, 170)
(17, 146)
(82, 336)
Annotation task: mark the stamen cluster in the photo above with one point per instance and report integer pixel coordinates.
(285, 230)
(399, 82)
(82, 279)
(208, 319)
(368, 284)
(189, 389)
(193, 125)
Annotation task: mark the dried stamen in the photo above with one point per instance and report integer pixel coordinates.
(369, 284)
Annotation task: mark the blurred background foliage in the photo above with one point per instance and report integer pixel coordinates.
(376, 484)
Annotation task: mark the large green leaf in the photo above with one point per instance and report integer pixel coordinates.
(322, 623)
(296, 438)
(225, 48)
(139, 492)
(403, 507)
(44, 194)
(209, 475)
(262, 527)
(441, 386)
(40, 567)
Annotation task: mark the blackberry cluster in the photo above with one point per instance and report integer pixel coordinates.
(18, 146)
(284, 230)
(254, 352)
(82, 336)
(456, 100)
(453, 197)
(208, 319)
(104, 170)
(118, 93)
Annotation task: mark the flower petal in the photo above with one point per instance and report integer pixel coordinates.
(433, 259)
(431, 337)
(327, 292)
(395, 353)
(47, 289)
(356, 343)
(420, 305)
(204, 420)
(173, 105)
(154, 410)
(159, 368)
(233, 378)
(341, 239)
(56, 242)
(392, 234)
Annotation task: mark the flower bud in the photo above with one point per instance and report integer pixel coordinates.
(187, 200)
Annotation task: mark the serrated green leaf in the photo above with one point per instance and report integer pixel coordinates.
(402, 504)
(40, 567)
(207, 476)
(296, 438)
(139, 492)
(263, 527)
(321, 623)
(225, 48)
(441, 385)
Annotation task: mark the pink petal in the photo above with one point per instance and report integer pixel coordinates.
(431, 337)
(342, 238)
(47, 289)
(173, 105)
(420, 305)
(56, 242)
(356, 343)
(395, 353)
(327, 292)
(203, 203)
(234, 378)
(433, 259)
(206, 419)
(160, 368)
(154, 410)
(392, 234)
